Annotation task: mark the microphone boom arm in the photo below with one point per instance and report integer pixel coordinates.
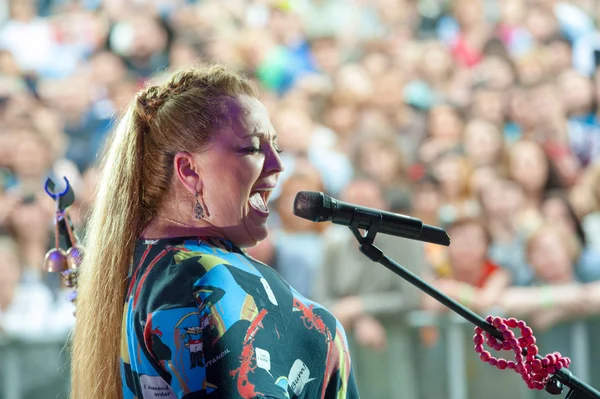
(562, 377)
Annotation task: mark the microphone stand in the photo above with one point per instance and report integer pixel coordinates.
(555, 385)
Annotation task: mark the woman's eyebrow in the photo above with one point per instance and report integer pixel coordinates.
(261, 135)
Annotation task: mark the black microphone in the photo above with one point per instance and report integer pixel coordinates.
(318, 207)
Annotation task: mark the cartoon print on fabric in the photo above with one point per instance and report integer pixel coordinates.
(248, 359)
(202, 319)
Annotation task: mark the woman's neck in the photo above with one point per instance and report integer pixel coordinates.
(161, 227)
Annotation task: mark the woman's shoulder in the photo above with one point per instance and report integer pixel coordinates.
(168, 270)
(200, 251)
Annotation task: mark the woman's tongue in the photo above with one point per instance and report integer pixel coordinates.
(257, 202)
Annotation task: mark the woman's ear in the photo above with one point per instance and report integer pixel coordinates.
(187, 171)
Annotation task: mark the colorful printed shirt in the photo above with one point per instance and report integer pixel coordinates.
(203, 319)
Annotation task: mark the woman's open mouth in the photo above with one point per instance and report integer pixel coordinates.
(258, 201)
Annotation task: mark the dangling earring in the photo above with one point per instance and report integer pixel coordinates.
(74, 257)
(198, 210)
(56, 258)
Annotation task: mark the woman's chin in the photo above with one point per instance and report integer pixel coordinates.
(255, 233)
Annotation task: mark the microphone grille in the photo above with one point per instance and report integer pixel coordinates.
(309, 205)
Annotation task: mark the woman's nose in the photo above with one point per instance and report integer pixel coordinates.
(273, 162)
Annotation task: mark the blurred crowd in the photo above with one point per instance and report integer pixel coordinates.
(480, 116)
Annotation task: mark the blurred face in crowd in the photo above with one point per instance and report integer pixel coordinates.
(354, 82)
(295, 130)
(502, 199)
(9, 271)
(121, 94)
(554, 209)
(520, 109)
(377, 63)
(482, 177)
(541, 22)
(395, 12)
(560, 54)
(71, 96)
(488, 104)
(388, 91)
(150, 37)
(306, 179)
(512, 12)
(364, 193)
(426, 199)
(31, 156)
(30, 221)
(285, 26)
(550, 256)
(182, 54)
(437, 63)
(326, 54)
(596, 82)
(8, 65)
(578, 92)
(107, 69)
(496, 72)
(342, 118)
(469, 13)
(452, 173)
(381, 160)
(532, 67)
(23, 10)
(17, 110)
(469, 248)
(445, 123)
(482, 142)
(8, 142)
(528, 165)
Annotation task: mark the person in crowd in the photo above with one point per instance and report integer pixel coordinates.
(483, 143)
(297, 243)
(529, 165)
(22, 300)
(552, 252)
(371, 302)
(556, 207)
(502, 206)
(453, 171)
(9, 262)
(182, 309)
(469, 276)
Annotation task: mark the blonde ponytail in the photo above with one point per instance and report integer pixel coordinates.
(113, 228)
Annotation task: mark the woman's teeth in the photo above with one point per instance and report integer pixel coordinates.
(257, 202)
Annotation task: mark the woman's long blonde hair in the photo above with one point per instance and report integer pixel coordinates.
(180, 114)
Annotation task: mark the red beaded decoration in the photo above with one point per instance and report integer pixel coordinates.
(535, 372)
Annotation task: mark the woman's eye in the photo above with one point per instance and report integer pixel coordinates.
(252, 150)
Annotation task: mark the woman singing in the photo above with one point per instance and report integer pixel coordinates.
(169, 304)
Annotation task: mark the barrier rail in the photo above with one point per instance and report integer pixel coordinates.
(25, 359)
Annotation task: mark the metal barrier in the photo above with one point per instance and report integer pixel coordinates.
(33, 367)
(20, 357)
